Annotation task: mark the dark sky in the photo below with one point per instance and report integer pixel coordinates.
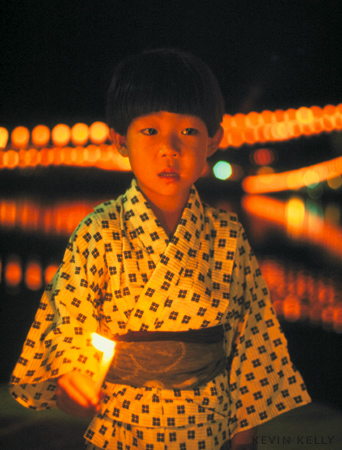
(58, 56)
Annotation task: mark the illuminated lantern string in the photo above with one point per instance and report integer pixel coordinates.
(10, 159)
(304, 115)
(80, 134)
(3, 137)
(61, 135)
(40, 136)
(20, 137)
(240, 129)
(294, 179)
(279, 125)
(99, 132)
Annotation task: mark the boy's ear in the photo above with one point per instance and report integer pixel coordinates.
(119, 141)
(214, 142)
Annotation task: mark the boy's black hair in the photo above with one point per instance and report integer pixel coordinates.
(164, 80)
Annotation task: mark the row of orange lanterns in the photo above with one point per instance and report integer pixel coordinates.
(295, 179)
(107, 157)
(239, 129)
(102, 156)
(60, 136)
(280, 125)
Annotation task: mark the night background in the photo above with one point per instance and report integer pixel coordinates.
(57, 59)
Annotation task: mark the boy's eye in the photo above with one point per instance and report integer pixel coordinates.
(149, 131)
(190, 131)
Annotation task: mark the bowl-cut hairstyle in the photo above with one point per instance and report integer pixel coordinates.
(164, 80)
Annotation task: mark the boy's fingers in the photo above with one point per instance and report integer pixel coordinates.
(70, 392)
(78, 388)
(72, 402)
(85, 387)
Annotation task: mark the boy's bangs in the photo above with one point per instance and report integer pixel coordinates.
(166, 94)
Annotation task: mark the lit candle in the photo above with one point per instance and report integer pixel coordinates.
(106, 346)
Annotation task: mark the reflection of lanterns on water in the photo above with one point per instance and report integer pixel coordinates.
(33, 275)
(49, 272)
(328, 317)
(278, 307)
(13, 271)
(295, 215)
(337, 319)
(304, 308)
(298, 295)
(291, 308)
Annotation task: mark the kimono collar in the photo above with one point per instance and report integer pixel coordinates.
(143, 226)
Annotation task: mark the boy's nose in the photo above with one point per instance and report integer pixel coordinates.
(170, 148)
(169, 151)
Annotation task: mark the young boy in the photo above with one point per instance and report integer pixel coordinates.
(200, 360)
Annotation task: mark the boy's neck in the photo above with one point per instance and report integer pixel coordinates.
(168, 210)
(168, 219)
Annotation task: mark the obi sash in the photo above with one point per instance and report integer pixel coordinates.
(168, 360)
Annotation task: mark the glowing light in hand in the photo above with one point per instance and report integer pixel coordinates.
(107, 347)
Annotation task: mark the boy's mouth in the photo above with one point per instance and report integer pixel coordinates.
(169, 174)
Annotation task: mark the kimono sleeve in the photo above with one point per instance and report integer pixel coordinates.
(263, 382)
(59, 338)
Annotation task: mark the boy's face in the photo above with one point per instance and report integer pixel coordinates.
(167, 153)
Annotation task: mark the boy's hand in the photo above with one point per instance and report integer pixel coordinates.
(245, 440)
(76, 394)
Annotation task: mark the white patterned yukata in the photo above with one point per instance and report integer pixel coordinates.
(122, 273)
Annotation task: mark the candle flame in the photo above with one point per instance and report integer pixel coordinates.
(102, 344)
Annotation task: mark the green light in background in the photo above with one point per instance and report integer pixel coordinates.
(222, 170)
